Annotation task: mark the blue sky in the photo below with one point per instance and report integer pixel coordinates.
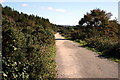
(63, 13)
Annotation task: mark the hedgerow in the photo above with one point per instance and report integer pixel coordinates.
(28, 47)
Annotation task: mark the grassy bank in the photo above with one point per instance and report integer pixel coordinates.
(85, 45)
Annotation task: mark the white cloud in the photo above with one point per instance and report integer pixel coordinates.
(1, 1)
(49, 8)
(24, 5)
(53, 9)
(60, 10)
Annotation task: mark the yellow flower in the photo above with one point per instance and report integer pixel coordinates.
(4, 75)
(14, 48)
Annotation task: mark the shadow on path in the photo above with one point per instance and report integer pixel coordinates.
(60, 39)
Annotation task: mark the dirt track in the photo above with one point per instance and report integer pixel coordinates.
(74, 61)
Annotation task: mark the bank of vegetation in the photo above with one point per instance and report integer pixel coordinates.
(96, 31)
(28, 46)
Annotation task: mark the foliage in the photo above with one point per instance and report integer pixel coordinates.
(28, 46)
(96, 17)
(96, 30)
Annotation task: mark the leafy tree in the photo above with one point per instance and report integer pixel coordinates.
(96, 17)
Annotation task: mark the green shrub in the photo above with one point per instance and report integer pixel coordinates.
(114, 51)
(28, 50)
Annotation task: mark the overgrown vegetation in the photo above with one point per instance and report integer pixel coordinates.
(96, 30)
(28, 46)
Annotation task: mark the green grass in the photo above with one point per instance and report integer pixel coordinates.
(50, 62)
(83, 44)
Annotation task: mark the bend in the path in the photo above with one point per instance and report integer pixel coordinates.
(74, 61)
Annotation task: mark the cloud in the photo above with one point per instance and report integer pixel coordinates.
(24, 5)
(60, 10)
(1, 1)
(53, 9)
(47, 8)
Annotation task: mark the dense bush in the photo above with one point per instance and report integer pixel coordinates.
(28, 47)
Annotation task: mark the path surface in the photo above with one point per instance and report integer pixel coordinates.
(74, 61)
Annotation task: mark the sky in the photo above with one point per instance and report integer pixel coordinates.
(119, 12)
(62, 13)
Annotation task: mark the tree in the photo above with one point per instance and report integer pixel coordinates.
(96, 17)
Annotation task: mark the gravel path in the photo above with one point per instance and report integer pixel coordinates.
(74, 61)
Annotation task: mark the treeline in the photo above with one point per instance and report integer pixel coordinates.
(28, 46)
(96, 30)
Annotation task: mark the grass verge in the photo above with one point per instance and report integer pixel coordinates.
(84, 44)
